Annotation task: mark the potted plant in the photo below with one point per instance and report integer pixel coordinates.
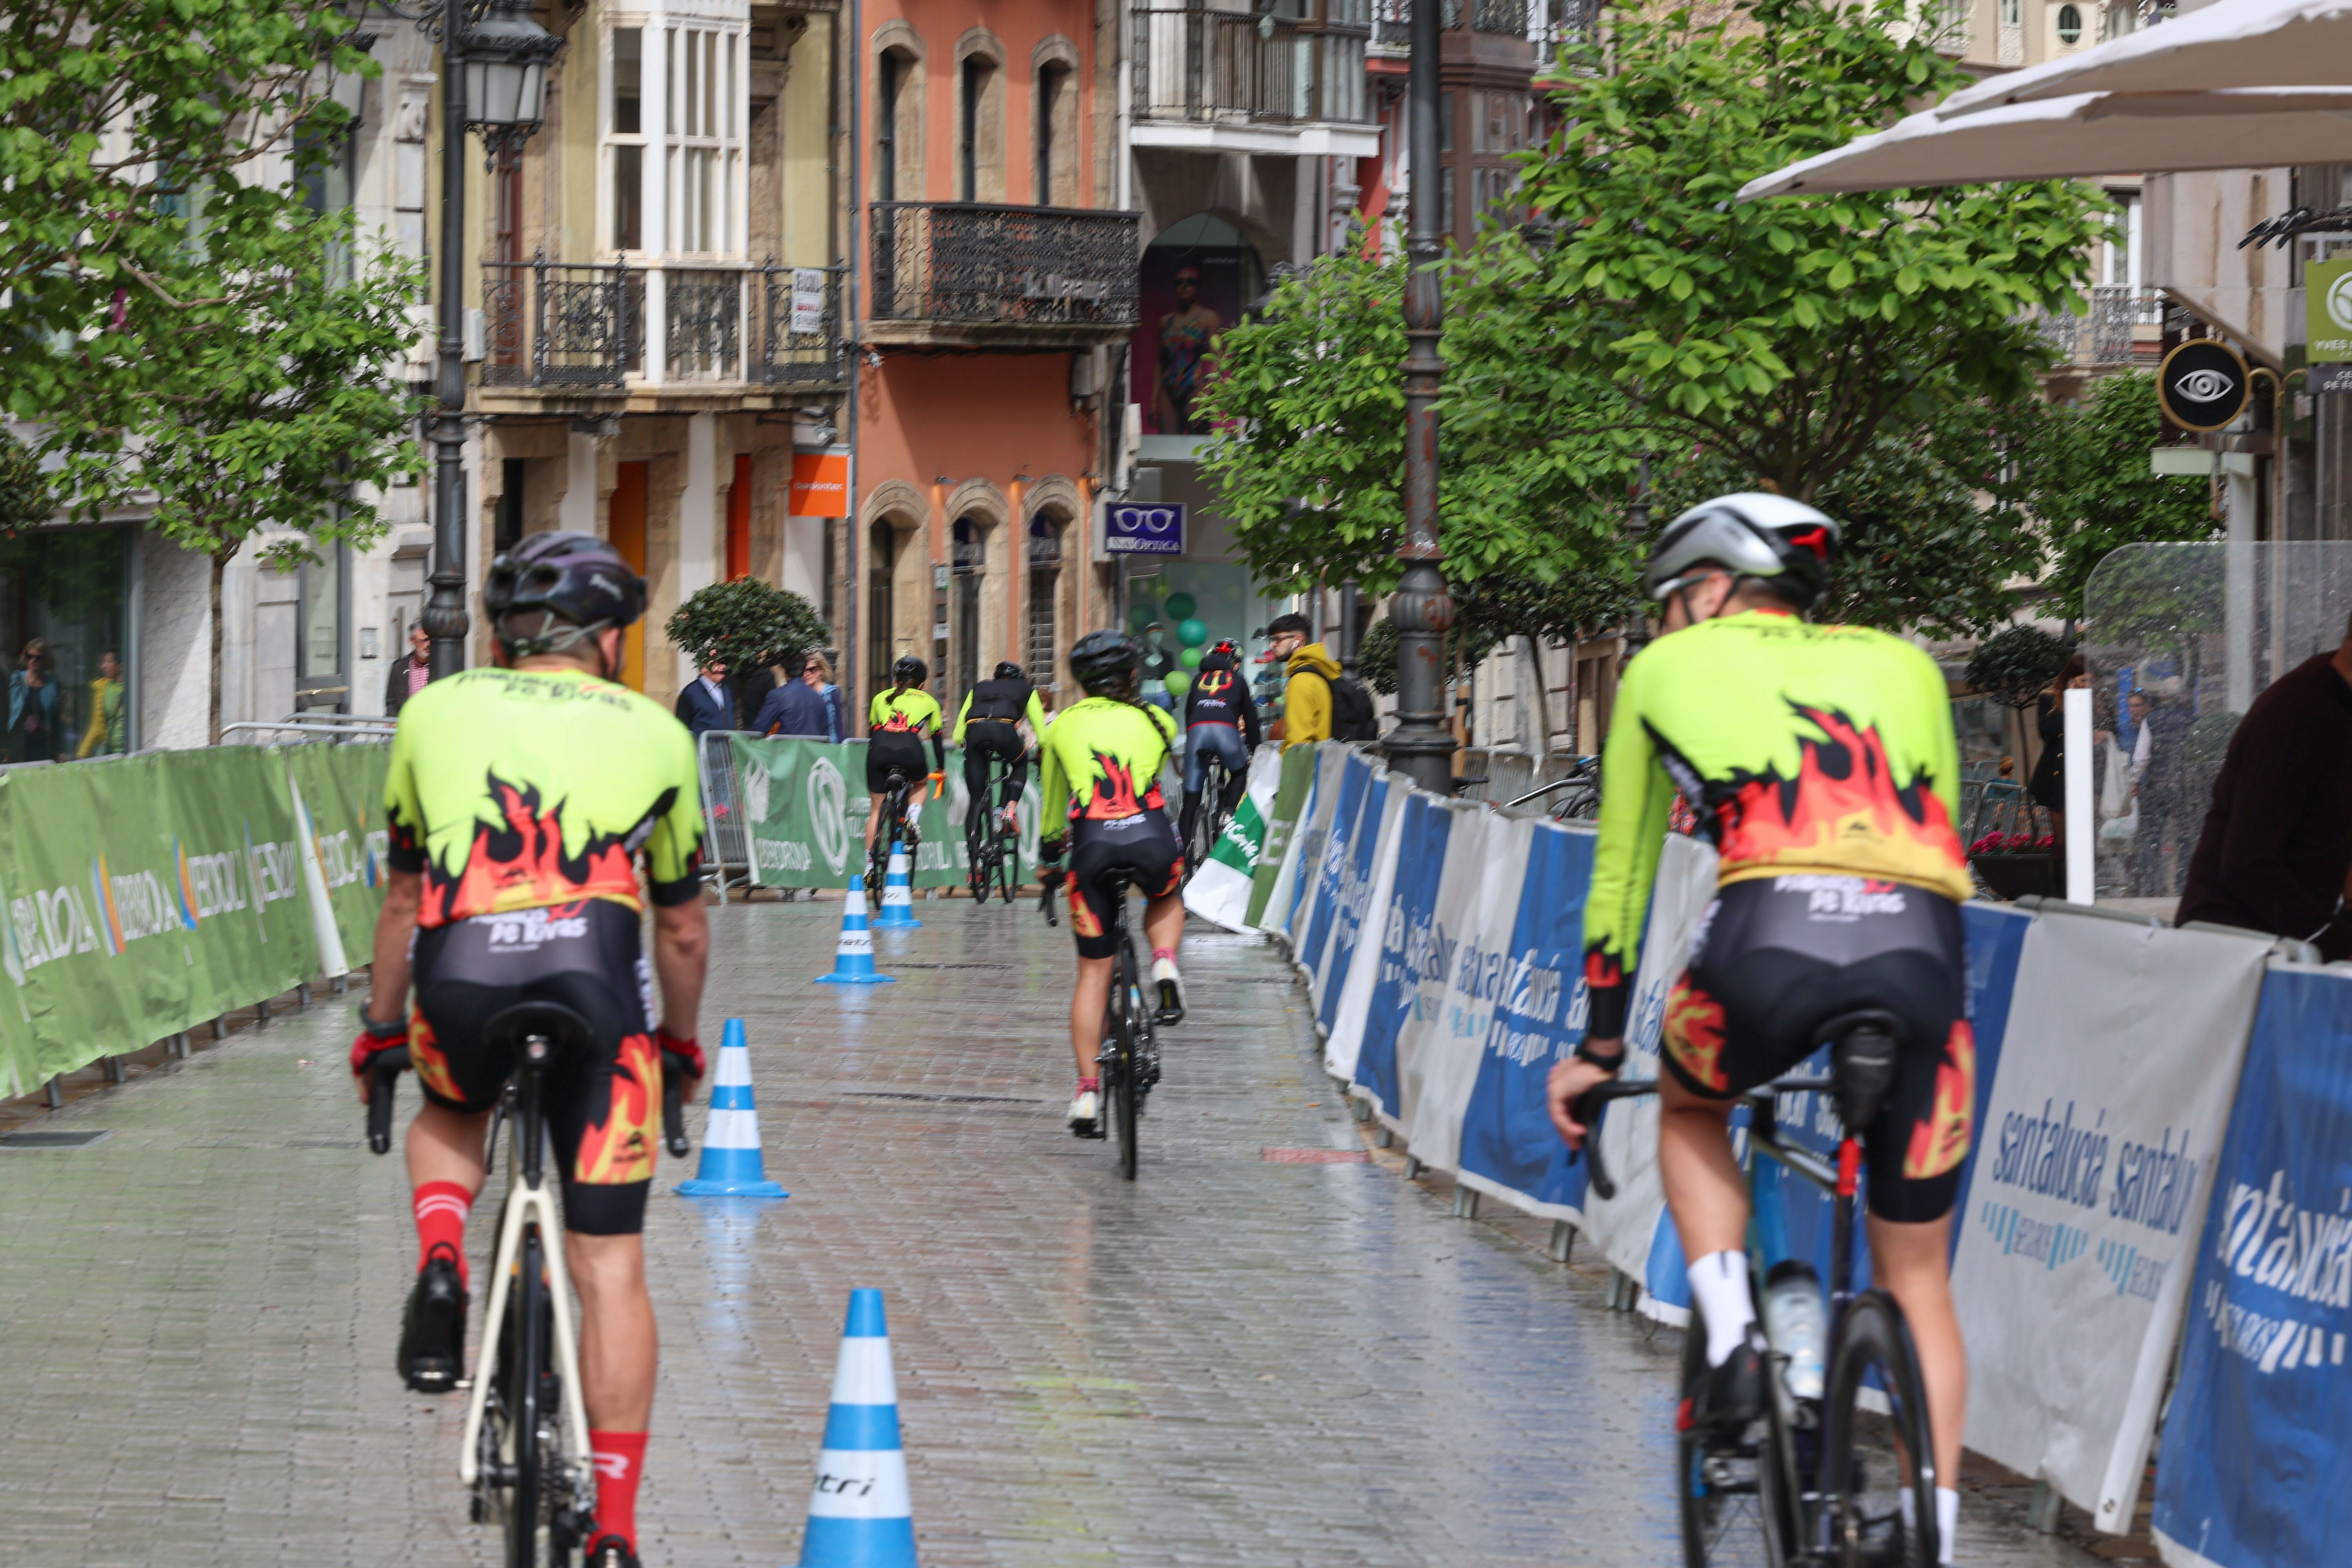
(2015, 668)
(2015, 864)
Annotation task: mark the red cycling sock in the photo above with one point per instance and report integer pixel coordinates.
(1159, 953)
(620, 1462)
(1089, 1086)
(441, 1210)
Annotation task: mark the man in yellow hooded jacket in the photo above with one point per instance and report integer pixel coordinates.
(1306, 696)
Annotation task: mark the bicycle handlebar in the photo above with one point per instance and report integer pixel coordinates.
(382, 1072)
(675, 1077)
(1588, 1106)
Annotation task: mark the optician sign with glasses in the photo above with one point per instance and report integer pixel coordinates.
(1156, 529)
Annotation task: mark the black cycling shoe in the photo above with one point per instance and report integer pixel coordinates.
(1730, 1395)
(609, 1551)
(433, 1329)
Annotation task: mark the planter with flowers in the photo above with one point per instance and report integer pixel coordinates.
(2015, 864)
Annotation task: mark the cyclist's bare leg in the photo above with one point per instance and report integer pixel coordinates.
(1912, 1263)
(1086, 1004)
(1163, 921)
(872, 820)
(1703, 1186)
(446, 1145)
(617, 1342)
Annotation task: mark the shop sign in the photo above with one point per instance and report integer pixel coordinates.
(2327, 311)
(2202, 384)
(1154, 529)
(820, 485)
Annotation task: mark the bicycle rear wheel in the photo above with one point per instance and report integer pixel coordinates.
(1869, 1460)
(1730, 1497)
(1120, 1089)
(527, 1504)
(1008, 864)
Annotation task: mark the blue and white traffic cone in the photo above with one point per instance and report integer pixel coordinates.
(860, 1515)
(732, 1165)
(853, 956)
(898, 893)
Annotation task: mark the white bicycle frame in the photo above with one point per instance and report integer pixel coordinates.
(527, 1201)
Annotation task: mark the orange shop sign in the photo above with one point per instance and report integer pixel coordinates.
(819, 484)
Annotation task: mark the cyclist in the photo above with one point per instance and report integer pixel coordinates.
(1220, 716)
(990, 727)
(1822, 761)
(517, 801)
(1101, 789)
(898, 721)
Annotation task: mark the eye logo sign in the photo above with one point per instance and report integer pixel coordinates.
(1154, 529)
(2202, 384)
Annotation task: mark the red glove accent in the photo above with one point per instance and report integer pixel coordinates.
(687, 1050)
(370, 1044)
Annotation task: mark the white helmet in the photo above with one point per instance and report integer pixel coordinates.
(1751, 534)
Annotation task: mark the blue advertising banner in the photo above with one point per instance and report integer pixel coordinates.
(1355, 888)
(1154, 529)
(1508, 1141)
(1355, 774)
(2256, 1468)
(1407, 952)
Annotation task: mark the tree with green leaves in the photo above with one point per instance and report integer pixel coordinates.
(748, 623)
(2094, 489)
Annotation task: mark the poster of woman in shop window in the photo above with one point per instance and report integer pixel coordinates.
(1191, 294)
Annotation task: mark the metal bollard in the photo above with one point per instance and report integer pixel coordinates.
(1362, 1110)
(1385, 1138)
(261, 1014)
(177, 1045)
(1622, 1291)
(1563, 1240)
(302, 995)
(2043, 1509)
(1466, 1202)
(1413, 1168)
(113, 1069)
(54, 1094)
(220, 1028)
(342, 984)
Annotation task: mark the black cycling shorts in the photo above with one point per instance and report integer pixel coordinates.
(897, 751)
(996, 740)
(602, 1104)
(1141, 849)
(1777, 957)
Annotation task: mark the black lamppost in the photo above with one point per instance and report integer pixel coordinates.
(494, 63)
(1420, 747)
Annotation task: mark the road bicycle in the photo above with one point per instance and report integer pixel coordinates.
(1209, 825)
(524, 1452)
(1576, 795)
(1129, 1064)
(992, 846)
(898, 828)
(1827, 1477)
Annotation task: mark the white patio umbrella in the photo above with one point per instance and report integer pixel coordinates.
(2231, 43)
(2088, 133)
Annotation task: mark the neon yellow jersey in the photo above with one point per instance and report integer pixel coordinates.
(1802, 749)
(1102, 761)
(524, 789)
(912, 712)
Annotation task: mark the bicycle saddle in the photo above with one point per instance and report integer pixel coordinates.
(564, 1030)
(1865, 1047)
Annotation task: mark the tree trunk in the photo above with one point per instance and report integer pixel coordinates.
(219, 565)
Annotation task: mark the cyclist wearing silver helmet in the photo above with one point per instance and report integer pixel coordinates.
(1821, 761)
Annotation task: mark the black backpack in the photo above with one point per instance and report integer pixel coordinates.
(1353, 718)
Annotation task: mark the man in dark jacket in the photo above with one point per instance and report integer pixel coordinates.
(2277, 844)
(706, 704)
(409, 672)
(797, 708)
(1220, 717)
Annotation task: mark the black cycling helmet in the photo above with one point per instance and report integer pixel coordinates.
(910, 670)
(579, 580)
(1105, 661)
(1008, 671)
(1224, 656)
(1751, 534)
(1227, 647)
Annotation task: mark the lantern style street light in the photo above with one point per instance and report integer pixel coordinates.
(494, 80)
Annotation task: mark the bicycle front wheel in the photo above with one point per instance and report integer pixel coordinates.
(1733, 1513)
(1119, 1086)
(526, 1506)
(1878, 1469)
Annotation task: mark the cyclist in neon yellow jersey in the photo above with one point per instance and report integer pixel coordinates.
(1101, 794)
(898, 721)
(1822, 761)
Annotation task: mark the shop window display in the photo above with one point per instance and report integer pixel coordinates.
(64, 596)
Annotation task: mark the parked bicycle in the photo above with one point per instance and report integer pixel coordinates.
(1827, 1476)
(1576, 796)
(1129, 1063)
(524, 1451)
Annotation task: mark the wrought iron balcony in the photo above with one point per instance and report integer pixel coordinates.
(1199, 62)
(982, 264)
(558, 325)
(1393, 19)
(2125, 327)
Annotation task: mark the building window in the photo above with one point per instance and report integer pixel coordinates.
(64, 601)
(971, 548)
(706, 127)
(2013, 13)
(894, 66)
(1045, 584)
(2070, 24)
(628, 139)
(979, 143)
(320, 592)
(1054, 140)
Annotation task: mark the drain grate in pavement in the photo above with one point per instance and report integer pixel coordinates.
(938, 1099)
(1315, 1156)
(900, 964)
(54, 1140)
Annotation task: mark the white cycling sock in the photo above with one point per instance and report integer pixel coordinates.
(1948, 1521)
(1719, 1284)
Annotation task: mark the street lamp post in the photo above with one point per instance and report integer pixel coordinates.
(494, 78)
(1420, 747)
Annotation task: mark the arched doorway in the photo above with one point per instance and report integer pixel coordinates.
(1197, 279)
(967, 571)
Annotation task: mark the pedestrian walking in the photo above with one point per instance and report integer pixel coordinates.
(108, 734)
(1307, 703)
(409, 672)
(2277, 841)
(34, 702)
(2048, 784)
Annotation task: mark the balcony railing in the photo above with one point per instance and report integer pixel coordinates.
(2126, 326)
(1393, 19)
(981, 263)
(1196, 62)
(560, 325)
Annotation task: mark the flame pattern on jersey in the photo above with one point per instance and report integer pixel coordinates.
(1693, 1034)
(522, 864)
(1113, 797)
(620, 1148)
(1843, 808)
(1940, 1143)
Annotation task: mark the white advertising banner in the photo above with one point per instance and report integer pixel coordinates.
(1626, 1227)
(1302, 858)
(1220, 890)
(2093, 1168)
(1347, 1034)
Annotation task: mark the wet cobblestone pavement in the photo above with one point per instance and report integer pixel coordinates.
(1237, 1360)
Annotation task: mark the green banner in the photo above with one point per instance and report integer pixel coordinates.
(804, 806)
(143, 895)
(342, 787)
(2327, 311)
(1297, 769)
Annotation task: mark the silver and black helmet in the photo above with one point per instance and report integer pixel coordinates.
(1750, 534)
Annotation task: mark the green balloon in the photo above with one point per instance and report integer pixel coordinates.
(1178, 682)
(1180, 605)
(1189, 659)
(1141, 614)
(1192, 634)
